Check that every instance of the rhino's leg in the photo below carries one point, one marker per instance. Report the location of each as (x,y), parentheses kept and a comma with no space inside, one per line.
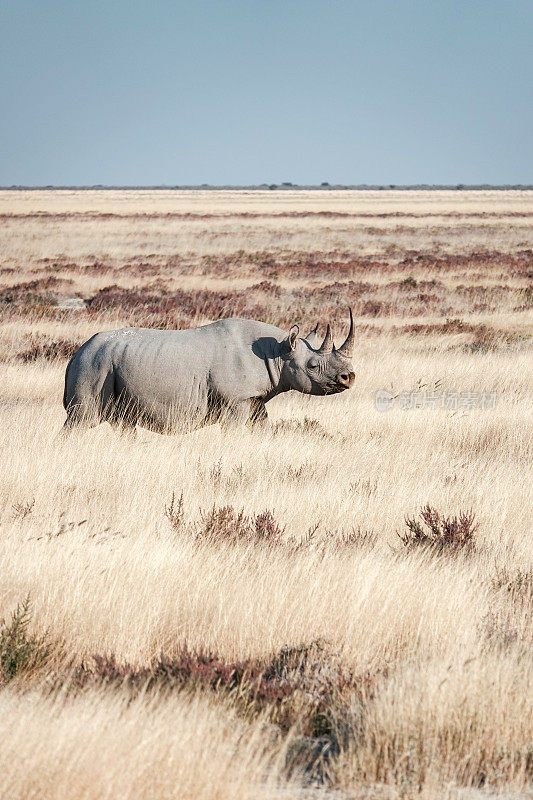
(234,414)
(81,415)
(250,412)
(122,414)
(123,426)
(258,413)
(77,417)
(82,412)
(87,402)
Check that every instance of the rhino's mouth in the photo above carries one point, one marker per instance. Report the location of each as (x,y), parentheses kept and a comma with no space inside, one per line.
(334,388)
(329,387)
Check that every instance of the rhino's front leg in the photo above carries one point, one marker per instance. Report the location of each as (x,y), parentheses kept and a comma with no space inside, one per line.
(234,414)
(251,412)
(258,413)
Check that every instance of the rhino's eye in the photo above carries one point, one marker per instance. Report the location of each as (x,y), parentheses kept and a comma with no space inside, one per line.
(312,363)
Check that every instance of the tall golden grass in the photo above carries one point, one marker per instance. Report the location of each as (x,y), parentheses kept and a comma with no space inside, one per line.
(439,644)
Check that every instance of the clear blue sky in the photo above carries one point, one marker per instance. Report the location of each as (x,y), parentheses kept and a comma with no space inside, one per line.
(253,91)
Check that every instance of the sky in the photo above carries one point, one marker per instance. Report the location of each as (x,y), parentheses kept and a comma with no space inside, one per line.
(144,92)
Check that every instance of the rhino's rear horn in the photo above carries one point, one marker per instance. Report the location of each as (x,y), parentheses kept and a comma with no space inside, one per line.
(327,344)
(347,348)
(312,333)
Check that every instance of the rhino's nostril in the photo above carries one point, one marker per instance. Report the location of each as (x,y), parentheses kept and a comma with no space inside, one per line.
(346,378)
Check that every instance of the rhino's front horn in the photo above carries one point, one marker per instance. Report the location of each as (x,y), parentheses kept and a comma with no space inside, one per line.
(327,344)
(347,348)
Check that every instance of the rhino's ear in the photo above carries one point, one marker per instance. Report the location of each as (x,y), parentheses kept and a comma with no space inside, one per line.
(293,336)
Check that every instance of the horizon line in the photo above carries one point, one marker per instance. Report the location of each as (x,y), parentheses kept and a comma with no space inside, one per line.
(284,186)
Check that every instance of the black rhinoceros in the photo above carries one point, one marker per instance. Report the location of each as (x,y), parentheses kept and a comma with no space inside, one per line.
(227,370)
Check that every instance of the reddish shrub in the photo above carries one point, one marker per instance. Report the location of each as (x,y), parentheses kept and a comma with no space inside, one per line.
(439,533)
(228,525)
(305,685)
(174,512)
(49,349)
(450,326)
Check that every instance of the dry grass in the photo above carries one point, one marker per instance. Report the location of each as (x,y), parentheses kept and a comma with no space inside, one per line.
(422,680)
(106,745)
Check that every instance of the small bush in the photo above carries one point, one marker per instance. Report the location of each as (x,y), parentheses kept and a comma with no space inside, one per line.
(439,533)
(174,512)
(266,529)
(519,585)
(20,652)
(228,525)
(23,510)
(356,539)
(30,294)
(333,541)
(225,524)
(309,540)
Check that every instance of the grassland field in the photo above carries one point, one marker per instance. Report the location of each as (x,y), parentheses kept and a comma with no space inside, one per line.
(339,606)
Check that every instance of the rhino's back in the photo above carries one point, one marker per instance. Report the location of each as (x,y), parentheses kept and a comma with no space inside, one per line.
(163,368)
(224,350)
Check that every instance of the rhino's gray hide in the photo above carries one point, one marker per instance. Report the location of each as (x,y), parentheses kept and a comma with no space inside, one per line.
(226,370)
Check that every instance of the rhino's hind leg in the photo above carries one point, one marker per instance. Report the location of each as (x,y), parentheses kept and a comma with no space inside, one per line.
(81,415)
(122,414)
(124,426)
(87,403)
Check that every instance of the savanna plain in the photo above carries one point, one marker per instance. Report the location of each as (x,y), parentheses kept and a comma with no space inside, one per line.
(336,606)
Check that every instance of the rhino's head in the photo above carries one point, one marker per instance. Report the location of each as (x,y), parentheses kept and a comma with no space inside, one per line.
(314,368)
